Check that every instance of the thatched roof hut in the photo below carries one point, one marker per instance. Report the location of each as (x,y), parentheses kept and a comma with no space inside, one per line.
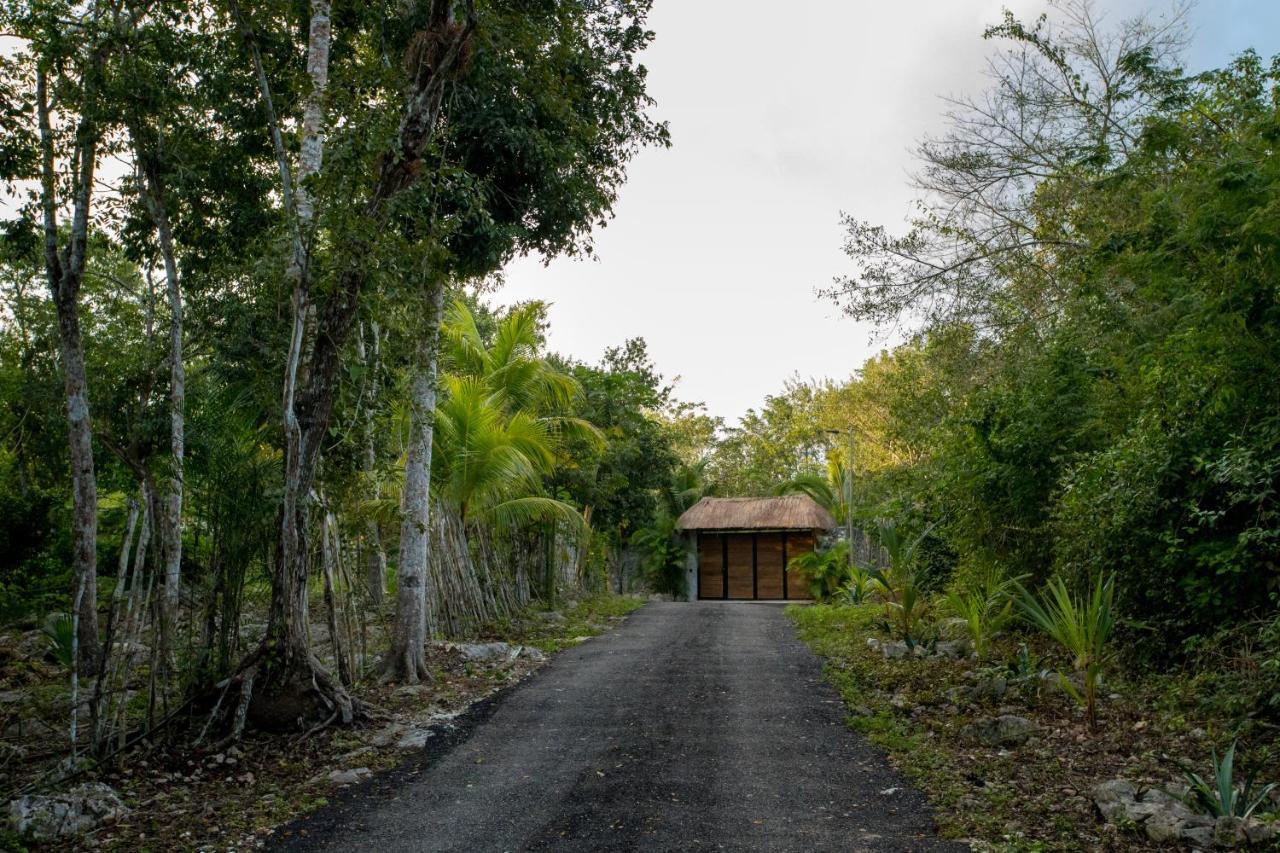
(789,512)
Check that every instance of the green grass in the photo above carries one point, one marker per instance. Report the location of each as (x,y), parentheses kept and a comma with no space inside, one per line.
(584,618)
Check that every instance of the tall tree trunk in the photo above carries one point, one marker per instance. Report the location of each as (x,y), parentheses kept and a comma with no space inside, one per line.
(152,191)
(375,555)
(295,684)
(65,271)
(406,659)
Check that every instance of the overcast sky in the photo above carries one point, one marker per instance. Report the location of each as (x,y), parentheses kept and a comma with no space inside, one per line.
(778,124)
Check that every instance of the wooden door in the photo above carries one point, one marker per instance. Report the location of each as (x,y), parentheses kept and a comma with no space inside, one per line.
(770,582)
(710,565)
(798,582)
(740,565)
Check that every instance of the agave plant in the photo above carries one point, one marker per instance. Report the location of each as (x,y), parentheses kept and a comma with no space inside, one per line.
(1223,798)
(1082,625)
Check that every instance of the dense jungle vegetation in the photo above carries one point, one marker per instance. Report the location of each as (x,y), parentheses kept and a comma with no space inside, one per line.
(1092,389)
(261,435)
(264,437)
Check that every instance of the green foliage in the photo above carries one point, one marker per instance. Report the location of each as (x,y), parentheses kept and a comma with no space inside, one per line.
(59,633)
(1223,797)
(907,602)
(1094,389)
(625,480)
(984,606)
(1082,625)
(828,571)
(665,551)
(501,426)
(857,589)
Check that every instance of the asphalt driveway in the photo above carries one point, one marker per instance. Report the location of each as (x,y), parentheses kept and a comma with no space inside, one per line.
(693,726)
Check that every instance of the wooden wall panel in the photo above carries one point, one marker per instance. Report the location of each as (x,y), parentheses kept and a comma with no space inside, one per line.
(769,579)
(797,582)
(740,571)
(710,566)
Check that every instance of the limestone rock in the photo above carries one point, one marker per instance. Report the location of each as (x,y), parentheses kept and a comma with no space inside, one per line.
(388,734)
(894,650)
(1228,831)
(954,649)
(501,653)
(1005,730)
(414,739)
(350,777)
(989,688)
(1258,832)
(1199,836)
(1169,801)
(1112,798)
(46,817)
(1164,827)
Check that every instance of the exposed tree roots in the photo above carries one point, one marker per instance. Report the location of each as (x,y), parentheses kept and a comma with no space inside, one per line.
(278,692)
(403,666)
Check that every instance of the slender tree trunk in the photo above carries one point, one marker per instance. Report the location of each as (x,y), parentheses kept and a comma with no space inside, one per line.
(406,659)
(65,271)
(375,555)
(151,190)
(171,529)
(295,684)
(329,546)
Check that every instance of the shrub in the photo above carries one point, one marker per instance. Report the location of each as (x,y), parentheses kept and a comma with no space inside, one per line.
(907,603)
(1082,626)
(828,571)
(984,606)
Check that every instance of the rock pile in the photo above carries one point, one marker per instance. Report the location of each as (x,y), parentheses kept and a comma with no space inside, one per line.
(896,649)
(1165,818)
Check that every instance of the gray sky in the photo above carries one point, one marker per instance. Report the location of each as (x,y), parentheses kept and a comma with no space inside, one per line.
(778,125)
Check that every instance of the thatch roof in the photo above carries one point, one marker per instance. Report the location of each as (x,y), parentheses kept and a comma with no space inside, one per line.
(790,512)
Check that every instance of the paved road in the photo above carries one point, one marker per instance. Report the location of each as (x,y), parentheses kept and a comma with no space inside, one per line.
(693,726)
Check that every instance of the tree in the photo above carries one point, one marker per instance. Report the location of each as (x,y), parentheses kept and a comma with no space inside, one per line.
(70,74)
(1067,101)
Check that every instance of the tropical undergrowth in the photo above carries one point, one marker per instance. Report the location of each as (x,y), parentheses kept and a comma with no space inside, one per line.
(1036,796)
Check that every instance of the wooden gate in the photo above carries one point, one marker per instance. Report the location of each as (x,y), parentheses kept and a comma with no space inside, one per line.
(751,566)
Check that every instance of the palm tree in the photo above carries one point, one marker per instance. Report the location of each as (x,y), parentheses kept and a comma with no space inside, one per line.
(661,542)
(828,492)
(489,465)
(499,426)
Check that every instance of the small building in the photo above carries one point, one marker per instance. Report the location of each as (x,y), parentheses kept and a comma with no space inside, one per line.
(739,547)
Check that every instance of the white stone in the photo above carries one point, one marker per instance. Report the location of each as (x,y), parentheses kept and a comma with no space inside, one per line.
(415,739)
(45,817)
(350,777)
